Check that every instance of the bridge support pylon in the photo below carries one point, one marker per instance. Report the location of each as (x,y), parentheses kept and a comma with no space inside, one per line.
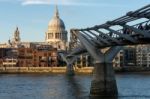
(69,61)
(70,70)
(103,82)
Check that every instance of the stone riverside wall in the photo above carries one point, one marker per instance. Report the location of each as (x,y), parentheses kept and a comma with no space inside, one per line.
(83,70)
(86,70)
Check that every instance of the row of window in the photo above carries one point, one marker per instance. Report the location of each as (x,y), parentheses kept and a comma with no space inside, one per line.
(57,35)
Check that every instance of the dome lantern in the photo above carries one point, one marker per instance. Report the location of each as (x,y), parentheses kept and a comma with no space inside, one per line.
(56,12)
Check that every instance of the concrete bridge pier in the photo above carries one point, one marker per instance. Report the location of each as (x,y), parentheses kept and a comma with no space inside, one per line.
(70,67)
(69,61)
(70,70)
(104,82)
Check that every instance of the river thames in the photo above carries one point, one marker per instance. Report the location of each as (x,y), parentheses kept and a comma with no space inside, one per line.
(44,86)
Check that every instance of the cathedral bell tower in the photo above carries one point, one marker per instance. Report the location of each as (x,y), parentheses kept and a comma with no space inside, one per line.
(16,38)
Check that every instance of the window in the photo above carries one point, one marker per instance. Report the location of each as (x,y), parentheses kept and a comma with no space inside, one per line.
(50,35)
(57,35)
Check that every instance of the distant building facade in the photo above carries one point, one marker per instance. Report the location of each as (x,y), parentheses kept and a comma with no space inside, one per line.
(143,55)
(126,57)
(138,55)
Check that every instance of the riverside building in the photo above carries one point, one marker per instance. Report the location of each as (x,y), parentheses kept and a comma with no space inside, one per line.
(41,56)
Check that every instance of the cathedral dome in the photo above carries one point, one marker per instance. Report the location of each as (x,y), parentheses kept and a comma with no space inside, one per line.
(56,23)
(56,34)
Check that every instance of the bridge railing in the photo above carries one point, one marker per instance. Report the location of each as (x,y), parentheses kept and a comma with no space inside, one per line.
(93,33)
(144,26)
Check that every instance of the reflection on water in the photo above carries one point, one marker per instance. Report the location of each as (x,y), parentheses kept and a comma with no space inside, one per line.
(103,98)
(130,86)
(77,91)
(74,88)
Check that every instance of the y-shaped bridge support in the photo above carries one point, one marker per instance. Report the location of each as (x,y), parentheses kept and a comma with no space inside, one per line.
(104,82)
(69,61)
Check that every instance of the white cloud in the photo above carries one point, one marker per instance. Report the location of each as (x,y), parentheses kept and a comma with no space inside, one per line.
(30,2)
(51,2)
(64,2)
(69,3)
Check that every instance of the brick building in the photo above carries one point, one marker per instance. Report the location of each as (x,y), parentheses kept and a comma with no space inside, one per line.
(41,56)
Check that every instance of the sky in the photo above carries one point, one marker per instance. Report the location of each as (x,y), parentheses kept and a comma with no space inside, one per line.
(32,16)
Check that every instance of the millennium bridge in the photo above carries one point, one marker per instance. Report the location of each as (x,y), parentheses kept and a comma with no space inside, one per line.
(134,29)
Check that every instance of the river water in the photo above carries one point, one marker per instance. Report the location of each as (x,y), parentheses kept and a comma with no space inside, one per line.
(27,86)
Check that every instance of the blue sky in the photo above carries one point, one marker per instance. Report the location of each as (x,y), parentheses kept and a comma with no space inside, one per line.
(32,16)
